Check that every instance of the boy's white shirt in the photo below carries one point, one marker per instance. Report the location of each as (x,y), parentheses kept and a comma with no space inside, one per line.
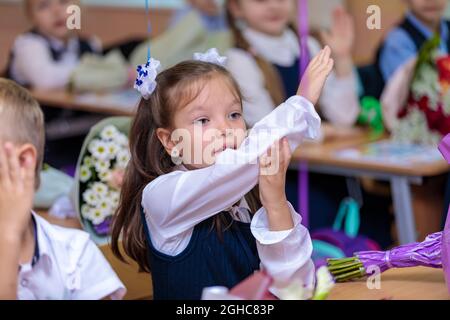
(175,203)
(339,101)
(70,267)
(32,63)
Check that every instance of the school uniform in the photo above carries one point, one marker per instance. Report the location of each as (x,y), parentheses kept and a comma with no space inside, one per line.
(186,254)
(42,62)
(338,103)
(66,265)
(405,41)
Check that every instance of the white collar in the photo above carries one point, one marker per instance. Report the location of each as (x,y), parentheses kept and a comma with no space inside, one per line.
(282,50)
(57,44)
(41,245)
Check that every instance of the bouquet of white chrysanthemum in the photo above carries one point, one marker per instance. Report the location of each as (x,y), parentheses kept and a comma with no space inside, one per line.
(100,169)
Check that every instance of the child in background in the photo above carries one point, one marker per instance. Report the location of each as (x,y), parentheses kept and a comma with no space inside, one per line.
(266,56)
(196,214)
(53,262)
(45,56)
(424,19)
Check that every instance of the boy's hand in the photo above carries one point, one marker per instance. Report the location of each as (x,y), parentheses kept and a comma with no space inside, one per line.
(16,189)
(272,180)
(315,75)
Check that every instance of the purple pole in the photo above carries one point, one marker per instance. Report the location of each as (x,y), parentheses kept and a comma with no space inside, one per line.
(303,31)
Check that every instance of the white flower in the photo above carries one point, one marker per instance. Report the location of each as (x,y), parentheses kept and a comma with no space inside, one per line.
(145,81)
(106,206)
(109,133)
(86,211)
(85,173)
(99,149)
(102,166)
(97,216)
(91,197)
(121,140)
(87,161)
(105,176)
(211,56)
(112,149)
(92,145)
(123,157)
(114,196)
(324,283)
(100,189)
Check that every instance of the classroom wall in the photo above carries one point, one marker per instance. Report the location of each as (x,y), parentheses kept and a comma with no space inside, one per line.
(110,24)
(113,24)
(368,41)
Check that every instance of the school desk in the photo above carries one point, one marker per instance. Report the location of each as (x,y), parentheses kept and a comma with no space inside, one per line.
(139,285)
(418,283)
(121,103)
(336,155)
(314,157)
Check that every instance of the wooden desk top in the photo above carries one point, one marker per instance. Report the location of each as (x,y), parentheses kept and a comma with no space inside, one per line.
(91,102)
(325,154)
(124,104)
(418,283)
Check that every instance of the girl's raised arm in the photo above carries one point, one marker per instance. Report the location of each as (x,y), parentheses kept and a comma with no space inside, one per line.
(176,202)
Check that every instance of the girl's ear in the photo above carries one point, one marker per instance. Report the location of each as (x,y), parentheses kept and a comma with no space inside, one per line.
(164,136)
(27,151)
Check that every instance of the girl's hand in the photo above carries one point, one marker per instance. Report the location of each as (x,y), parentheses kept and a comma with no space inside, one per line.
(341,35)
(341,39)
(16,189)
(315,75)
(272,181)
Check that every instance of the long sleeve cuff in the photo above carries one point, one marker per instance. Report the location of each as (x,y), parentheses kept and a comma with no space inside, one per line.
(260,227)
(286,255)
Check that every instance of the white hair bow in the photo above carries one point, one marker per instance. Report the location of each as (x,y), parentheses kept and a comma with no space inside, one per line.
(211,56)
(145,81)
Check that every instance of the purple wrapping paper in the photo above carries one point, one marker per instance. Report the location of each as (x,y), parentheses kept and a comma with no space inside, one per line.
(426,253)
(103,228)
(444,147)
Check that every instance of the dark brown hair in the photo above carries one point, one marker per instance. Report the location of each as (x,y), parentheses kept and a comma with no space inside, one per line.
(176,87)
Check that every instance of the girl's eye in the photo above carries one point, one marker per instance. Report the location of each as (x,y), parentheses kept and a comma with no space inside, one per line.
(235,115)
(201,121)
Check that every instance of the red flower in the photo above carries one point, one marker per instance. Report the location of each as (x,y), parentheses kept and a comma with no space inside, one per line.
(444,125)
(443,66)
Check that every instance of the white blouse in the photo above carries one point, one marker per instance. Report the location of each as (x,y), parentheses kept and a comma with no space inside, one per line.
(174,203)
(339,101)
(32,62)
